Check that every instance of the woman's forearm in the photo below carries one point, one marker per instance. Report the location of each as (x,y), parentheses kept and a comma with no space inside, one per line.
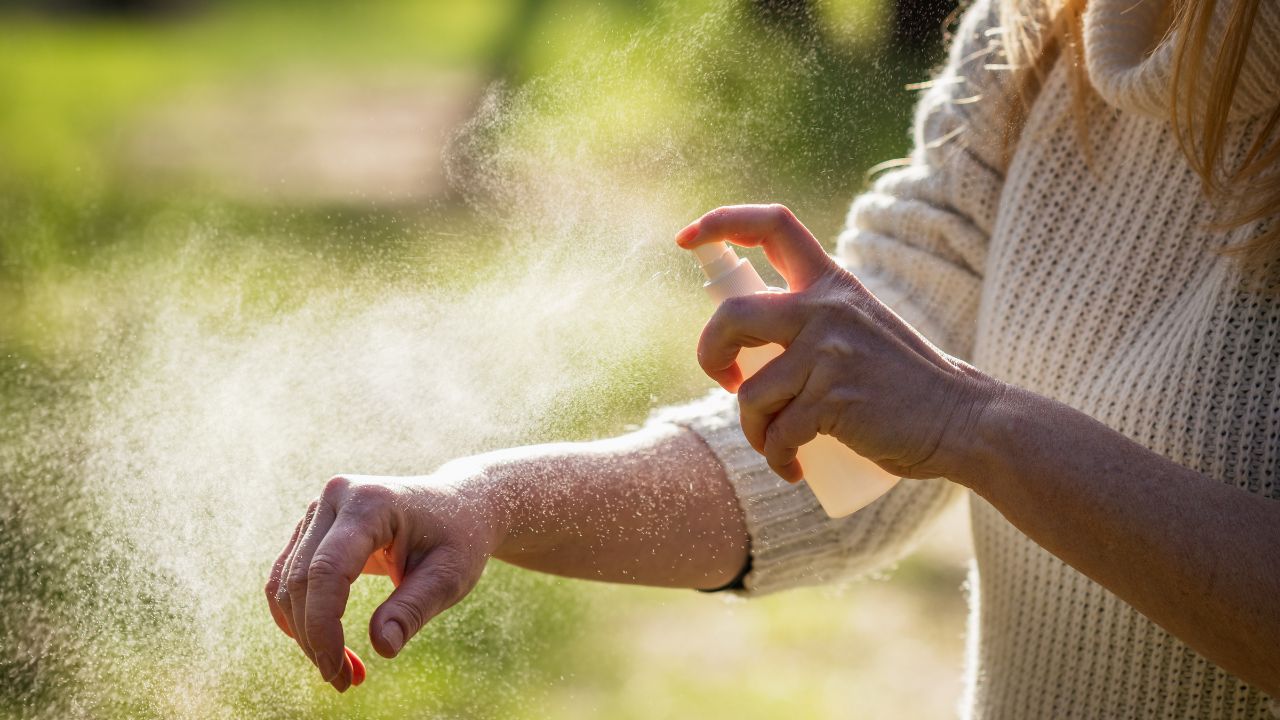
(652,507)
(1199,557)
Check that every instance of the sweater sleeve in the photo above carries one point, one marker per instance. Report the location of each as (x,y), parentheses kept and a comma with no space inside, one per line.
(918,241)
(918,238)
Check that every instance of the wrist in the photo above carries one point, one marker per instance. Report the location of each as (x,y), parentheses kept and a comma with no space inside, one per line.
(979,446)
(482,487)
(504,498)
(1004,431)
(517,492)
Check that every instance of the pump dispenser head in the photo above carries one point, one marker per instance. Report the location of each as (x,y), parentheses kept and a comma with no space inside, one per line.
(716,258)
(727,274)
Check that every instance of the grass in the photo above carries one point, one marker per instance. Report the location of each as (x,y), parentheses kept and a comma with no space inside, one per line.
(611,105)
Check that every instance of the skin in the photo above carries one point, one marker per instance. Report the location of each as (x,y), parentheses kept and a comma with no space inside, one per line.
(655,508)
(575,509)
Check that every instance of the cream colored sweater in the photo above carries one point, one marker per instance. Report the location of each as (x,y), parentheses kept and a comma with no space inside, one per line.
(1096,285)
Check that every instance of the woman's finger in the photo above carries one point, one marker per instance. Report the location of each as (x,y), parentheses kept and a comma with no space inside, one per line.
(765,394)
(283,601)
(336,564)
(741,322)
(283,596)
(788,244)
(275,578)
(791,429)
(299,574)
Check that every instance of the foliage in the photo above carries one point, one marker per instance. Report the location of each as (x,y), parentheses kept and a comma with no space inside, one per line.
(705,102)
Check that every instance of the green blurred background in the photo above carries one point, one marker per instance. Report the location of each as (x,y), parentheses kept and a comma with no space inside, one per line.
(220,161)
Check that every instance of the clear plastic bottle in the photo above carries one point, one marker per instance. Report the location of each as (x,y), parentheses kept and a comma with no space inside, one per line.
(842,480)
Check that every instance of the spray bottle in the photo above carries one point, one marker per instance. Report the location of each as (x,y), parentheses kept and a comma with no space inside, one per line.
(842,480)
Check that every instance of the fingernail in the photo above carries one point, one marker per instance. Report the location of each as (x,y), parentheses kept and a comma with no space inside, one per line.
(393,634)
(357,667)
(687,234)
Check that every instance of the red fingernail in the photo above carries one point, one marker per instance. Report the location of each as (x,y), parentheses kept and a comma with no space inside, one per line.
(687,234)
(358,672)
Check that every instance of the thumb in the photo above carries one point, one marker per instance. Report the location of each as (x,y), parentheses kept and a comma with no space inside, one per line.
(438,581)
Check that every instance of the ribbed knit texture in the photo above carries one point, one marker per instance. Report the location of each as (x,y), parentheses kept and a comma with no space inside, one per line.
(1094,284)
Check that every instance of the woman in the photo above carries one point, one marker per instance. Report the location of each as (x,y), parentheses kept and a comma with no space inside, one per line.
(1089,218)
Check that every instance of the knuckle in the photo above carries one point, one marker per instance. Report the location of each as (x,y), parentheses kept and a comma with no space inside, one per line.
(845,398)
(782,214)
(272,588)
(335,488)
(324,566)
(833,348)
(297,583)
(410,615)
(370,495)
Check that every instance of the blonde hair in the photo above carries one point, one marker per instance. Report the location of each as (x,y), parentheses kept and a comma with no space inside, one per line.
(1199,106)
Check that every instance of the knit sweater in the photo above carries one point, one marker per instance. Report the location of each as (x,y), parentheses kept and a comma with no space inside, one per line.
(1092,280)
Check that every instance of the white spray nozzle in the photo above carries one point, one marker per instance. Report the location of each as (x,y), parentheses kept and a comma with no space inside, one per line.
(727,275)
(716,258)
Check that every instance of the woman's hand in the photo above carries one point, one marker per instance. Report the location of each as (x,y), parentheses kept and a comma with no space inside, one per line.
(430,535)
(851,369)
